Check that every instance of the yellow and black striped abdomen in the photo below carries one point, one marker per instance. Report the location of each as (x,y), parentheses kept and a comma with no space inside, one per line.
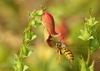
(67,53)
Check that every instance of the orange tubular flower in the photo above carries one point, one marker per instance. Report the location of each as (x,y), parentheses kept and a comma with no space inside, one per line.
(48,22)
(47,37)
(49,30)
(63,30)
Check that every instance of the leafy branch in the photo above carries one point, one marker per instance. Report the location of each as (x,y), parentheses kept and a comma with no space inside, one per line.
(90,34)
(24,51)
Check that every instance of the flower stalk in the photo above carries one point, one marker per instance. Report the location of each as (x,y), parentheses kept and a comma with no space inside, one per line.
(89,54)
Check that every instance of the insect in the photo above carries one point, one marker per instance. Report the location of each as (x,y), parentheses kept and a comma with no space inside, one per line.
(62,49)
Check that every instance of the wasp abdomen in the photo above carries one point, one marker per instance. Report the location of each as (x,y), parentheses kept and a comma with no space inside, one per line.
(67,53)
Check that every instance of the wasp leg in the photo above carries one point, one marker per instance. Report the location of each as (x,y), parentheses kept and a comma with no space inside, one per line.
(58,55)
(70,65)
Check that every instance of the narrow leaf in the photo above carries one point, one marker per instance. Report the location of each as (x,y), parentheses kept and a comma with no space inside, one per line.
(92,66)
(83,66)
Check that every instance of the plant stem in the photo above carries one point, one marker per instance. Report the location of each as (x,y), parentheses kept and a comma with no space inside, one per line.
(88,58)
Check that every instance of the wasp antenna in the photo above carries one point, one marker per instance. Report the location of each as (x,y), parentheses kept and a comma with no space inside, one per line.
(61,39)
(51,40)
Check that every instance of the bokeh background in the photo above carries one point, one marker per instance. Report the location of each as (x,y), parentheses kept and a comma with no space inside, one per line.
(14,18)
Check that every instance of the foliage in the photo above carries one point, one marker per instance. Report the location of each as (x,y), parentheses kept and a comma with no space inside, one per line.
(13,19)
(84,67)
(90,34)
(28,36)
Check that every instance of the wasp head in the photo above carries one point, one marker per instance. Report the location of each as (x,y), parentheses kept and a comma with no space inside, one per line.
(58,44)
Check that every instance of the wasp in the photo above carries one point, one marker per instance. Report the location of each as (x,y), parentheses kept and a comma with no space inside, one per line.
(62,49)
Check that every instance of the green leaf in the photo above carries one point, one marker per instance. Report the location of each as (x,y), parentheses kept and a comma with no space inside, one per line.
(32,23)
(30,52)
(29,36)
(92,66)
(18,66)
(95,43)
(95,22)
(25,67)
(91,21)
(15,57)
(91,38)
(81,37)
(85,35)
(33,14)
(33,37)
(82,65)
(26,51)
(40,12)
(25,30)
(35,22)
(38,23)
(82,32)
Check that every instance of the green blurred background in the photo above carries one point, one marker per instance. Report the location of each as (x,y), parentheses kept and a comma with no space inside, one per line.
(14,18)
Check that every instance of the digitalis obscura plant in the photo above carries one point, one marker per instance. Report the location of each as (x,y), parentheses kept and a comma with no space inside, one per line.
(34,21)
(91,35)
